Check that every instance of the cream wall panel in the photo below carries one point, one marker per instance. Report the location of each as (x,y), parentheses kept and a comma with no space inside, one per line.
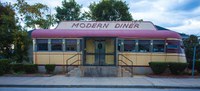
(90,59)
(90,46)
(56,59)
(109,46)
(109,59)
(42,59)
(158,57)
(143,59)
(172,57)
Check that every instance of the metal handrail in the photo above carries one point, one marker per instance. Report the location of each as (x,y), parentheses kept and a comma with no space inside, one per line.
(72,62)
(127,59)
(127,64)
(71,58)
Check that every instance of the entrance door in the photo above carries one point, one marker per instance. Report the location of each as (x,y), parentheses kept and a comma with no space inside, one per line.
(100,52)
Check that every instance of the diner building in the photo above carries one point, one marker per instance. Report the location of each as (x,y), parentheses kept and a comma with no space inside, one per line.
(105,48)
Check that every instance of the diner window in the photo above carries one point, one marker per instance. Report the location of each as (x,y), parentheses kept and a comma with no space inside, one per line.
(173,46)
(158,45)
(42,44)
(144,45)
(71,44)
(56,45)
(129,45)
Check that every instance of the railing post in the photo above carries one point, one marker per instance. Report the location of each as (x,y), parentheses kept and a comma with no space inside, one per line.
(132,71)
(122,74)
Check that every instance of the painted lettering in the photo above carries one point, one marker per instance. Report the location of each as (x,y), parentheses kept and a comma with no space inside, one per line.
(94,25)
(75,25)
(106,25)
(125,25)
(131,25)
(136,26)
(82,25)
(99,25)
(117,25)
(88,25)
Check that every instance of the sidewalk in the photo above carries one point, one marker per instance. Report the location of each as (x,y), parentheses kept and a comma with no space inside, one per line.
(109,82)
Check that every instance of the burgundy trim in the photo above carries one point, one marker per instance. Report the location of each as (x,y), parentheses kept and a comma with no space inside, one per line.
(67,33)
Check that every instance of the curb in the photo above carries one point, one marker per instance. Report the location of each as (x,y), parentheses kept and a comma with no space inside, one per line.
(100,86)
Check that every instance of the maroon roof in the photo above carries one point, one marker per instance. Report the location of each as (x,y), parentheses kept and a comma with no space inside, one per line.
(63,33)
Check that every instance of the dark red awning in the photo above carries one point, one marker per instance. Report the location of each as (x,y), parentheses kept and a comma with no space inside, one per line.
(63,33)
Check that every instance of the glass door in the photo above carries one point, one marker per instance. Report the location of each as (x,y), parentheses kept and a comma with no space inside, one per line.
(99,52)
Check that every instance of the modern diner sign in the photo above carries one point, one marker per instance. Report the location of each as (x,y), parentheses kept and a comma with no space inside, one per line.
(107,25)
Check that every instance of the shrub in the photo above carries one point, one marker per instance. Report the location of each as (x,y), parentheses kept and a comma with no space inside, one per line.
(50,68)
(18,67)
(158,67)
(31,68)
(4,66)
(197,66)
(177,68)
(1,70)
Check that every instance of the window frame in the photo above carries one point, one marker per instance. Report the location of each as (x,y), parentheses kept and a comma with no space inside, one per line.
(61,45)
(76,50)
(36,45)
(164,49)
(135,43)
(173,50)
(150,45)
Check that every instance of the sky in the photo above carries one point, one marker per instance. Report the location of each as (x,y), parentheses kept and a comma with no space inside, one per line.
(182,16)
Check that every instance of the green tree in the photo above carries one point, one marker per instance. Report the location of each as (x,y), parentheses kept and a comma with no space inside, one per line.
(7,29)
(70,10)
(189,47)
(22,43)
(108,10)
(32,15)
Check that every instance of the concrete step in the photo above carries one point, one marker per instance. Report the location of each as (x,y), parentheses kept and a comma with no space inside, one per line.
(99,71)
(76,72)
(124,72)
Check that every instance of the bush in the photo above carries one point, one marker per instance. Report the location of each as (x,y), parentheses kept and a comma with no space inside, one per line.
(50,68)
(177,68)
(31,68)
(1,70)
(158,67)
(197,66)
(18,67)
(4,66)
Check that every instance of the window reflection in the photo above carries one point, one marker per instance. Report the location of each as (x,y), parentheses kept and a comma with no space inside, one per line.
(129,46)
(56,45)
(71,44)
(144,45)
(42,44)
(158,45)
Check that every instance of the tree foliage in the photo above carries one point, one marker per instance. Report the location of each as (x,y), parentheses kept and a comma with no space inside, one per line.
(7,29)
(70,10)
(14,40)
(33,15)
(189,47)
(22,43)
(109,10)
